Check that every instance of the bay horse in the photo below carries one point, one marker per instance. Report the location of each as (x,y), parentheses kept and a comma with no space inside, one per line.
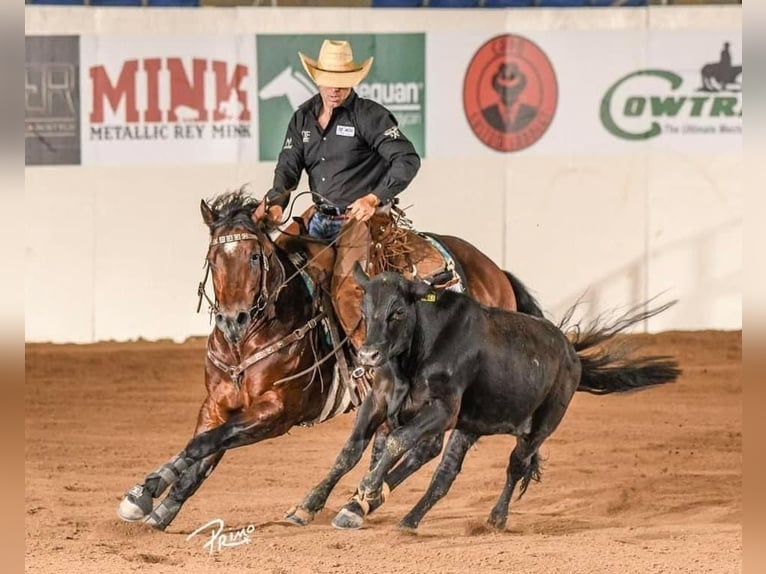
(267,365)
(444,361)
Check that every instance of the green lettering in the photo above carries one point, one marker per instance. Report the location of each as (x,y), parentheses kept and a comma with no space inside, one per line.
(669,106)
(634,106)
(724,106)
(606,103)
(697,104)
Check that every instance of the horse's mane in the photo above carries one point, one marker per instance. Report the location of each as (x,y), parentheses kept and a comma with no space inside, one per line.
(235,208)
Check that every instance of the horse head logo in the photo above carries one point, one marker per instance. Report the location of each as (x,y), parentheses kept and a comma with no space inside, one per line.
(721,76)
(293,85)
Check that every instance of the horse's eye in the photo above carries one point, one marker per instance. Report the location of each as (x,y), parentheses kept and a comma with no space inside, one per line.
(255,258)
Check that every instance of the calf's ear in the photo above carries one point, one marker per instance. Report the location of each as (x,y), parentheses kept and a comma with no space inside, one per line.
(419,289)
(360,276)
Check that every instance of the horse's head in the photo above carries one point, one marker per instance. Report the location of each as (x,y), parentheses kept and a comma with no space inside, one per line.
(242,259)
(390,316)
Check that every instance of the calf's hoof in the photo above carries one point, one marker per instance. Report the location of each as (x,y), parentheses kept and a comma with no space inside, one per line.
(497,522)
(299,516)
(136,504)
(408,524)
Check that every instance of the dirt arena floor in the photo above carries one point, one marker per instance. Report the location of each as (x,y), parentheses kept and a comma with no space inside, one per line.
(648,482)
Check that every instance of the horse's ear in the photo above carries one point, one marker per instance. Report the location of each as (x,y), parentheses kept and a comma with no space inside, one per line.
(208,215)
(360,276)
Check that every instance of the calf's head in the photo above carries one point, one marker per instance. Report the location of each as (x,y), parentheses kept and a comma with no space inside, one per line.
(388,307)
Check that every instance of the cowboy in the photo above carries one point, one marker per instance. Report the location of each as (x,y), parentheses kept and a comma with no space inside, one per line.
(357,160)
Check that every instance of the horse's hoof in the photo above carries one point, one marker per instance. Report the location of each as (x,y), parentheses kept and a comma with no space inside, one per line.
(153,521)
(299,516)
(136,504)
(348,520)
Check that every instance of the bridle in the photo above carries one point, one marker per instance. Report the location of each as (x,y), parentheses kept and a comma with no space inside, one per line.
(264,300)
(264,297)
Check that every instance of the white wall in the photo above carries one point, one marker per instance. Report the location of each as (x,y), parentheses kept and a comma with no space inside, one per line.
(116,252)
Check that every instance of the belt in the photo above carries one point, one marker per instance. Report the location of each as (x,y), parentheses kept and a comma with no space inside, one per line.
(332,217)
(331,210)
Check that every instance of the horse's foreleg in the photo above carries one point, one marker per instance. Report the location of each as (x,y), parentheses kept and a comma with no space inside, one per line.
(448,469)
(164,513)
(137,502)
(263,419)
(369,417)
(354,511)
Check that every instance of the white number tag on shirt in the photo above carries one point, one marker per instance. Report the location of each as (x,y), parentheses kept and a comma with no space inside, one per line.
(347,131)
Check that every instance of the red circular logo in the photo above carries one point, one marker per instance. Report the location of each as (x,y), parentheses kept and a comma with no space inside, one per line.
(509,93)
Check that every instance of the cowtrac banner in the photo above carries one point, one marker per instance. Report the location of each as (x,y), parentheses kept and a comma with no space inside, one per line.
(396,80)
(168,100)
(596,91)
(52,100)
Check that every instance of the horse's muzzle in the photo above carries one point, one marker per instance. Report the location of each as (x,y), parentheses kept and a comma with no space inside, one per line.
(233,325)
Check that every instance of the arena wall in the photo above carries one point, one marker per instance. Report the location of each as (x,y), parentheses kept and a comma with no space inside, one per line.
(115,242)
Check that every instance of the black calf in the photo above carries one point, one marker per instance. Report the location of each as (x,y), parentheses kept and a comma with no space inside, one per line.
(444,361)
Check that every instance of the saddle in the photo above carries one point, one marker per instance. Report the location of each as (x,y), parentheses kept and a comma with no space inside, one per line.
(387,242)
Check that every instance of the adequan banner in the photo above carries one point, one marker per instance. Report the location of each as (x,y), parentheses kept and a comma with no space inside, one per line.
(396,80)
(168,100)
(52,100)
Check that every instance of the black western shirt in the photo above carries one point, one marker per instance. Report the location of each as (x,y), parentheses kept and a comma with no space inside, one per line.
(361,151)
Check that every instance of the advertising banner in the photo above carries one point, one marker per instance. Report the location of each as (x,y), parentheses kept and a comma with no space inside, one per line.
(573,92)
(168,100)
(396,80)
(52,100)
(688,95)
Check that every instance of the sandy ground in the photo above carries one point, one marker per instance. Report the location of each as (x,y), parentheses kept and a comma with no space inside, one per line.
(648,482)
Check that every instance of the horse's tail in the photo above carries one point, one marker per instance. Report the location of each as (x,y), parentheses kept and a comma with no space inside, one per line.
(525,302)
(612,370)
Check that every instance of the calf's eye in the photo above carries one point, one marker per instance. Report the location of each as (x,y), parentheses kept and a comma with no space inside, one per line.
(397,315)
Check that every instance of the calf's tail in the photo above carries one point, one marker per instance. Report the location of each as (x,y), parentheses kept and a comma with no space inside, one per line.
(613,368)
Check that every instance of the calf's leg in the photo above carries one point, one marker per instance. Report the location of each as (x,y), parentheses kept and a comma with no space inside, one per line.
(371,414)
(449,467)
(434,419)
(524,463)
(352,514)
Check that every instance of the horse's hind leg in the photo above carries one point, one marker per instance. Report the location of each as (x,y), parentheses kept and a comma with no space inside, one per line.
(449,467)
(354,511)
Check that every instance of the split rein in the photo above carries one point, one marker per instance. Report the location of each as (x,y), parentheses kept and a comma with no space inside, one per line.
(235,372)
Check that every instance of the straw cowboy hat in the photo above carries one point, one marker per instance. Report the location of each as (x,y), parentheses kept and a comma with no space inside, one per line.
(335,67)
